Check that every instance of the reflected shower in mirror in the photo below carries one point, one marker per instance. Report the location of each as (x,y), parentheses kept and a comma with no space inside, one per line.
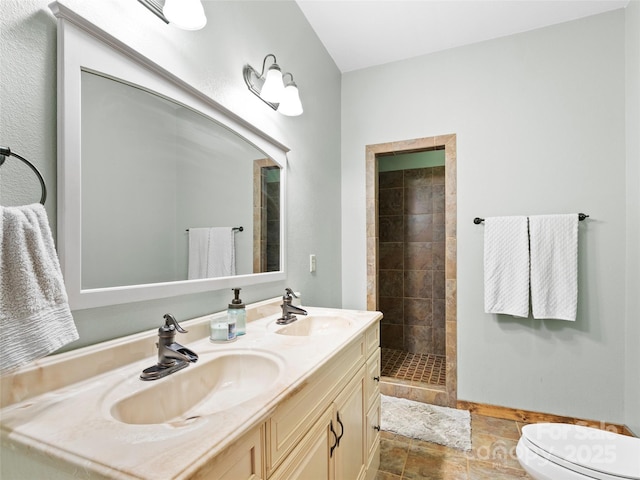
(152,169)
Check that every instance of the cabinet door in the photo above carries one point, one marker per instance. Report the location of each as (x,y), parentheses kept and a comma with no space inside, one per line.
(373,435)
(243,460)
(293,418)
(311,459)
(350,456)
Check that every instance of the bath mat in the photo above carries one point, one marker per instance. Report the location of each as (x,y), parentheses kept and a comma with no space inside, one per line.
(431,423)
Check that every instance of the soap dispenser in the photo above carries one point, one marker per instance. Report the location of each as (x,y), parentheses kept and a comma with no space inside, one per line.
(237,313)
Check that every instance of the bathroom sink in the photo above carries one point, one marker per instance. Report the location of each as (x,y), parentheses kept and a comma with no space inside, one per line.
(315,325)
(205,388)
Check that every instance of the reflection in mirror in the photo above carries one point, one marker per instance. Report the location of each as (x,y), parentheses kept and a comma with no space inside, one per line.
(142,157)
(155,173)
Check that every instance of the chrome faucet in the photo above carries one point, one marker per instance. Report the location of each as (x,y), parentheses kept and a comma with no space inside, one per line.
(288,309)
(171,355)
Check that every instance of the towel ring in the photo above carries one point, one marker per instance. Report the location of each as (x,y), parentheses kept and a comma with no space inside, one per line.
(6,152)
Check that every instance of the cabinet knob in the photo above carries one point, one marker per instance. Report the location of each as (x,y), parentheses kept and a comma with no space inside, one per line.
(376,428)
(377,379)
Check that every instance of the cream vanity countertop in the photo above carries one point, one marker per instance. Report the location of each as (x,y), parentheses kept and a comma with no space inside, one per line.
(74,423)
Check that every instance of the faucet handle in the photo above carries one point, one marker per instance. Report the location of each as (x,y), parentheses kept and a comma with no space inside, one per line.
(288,294)
(170,322)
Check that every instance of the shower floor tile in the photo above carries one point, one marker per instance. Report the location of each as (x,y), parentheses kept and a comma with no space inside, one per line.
(415,367)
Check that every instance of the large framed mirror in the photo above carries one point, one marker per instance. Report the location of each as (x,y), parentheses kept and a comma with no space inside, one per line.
(162,191)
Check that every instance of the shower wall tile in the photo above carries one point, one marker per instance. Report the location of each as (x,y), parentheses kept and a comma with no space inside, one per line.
(439,341)
(418,200)
(439,315)
(418,311)
(439,287)
(437,176)
(439,230)
(411,259)
(417,256)
(391,228)
(391,256)
(392,336)
(391,283)
(438,199)
(416,338)
(390,201)
(417,177)
(393,309)
(418,284)
(418,228)
(438,251)
(390,179)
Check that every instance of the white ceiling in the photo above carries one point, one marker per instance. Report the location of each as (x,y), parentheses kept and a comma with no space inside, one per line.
(362,33)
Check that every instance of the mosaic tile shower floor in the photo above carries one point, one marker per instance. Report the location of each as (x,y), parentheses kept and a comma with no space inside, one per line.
(415,367)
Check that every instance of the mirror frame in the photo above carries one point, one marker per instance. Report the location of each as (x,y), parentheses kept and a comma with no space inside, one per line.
(84,46)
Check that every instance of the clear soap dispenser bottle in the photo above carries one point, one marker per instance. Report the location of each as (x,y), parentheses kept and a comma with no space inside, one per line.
(237,313)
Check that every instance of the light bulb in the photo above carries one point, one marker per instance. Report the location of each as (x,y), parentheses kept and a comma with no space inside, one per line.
(185,14)
(273,86)
(290,104)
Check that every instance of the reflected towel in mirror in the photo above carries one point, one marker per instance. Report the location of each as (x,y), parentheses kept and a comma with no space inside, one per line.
(212,252)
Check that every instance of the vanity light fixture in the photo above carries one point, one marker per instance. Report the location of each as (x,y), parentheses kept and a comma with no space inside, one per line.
(185,14)
(270,87)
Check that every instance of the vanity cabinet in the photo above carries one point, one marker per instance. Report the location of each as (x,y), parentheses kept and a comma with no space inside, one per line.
(322,430)
(74,413)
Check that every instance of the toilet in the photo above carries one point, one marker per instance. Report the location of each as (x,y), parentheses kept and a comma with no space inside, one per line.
(558,451)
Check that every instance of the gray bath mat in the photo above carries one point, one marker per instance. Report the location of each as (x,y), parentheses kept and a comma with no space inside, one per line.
(431,423)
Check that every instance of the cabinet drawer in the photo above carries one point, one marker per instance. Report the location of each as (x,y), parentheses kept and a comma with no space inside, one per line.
(372,338)
(294,416)
(373,428)
(242,460)
(372,386)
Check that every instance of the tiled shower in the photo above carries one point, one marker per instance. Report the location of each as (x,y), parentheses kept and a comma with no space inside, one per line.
(411,269)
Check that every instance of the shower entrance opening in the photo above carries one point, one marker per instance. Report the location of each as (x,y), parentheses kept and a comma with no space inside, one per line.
(411,254)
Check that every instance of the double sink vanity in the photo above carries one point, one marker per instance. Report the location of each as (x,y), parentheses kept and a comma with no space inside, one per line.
(282,402)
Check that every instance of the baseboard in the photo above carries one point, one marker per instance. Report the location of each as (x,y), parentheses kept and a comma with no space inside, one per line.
(526,416)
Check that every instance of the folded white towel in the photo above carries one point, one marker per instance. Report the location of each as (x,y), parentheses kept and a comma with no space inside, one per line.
(35,319)
(222,252)
(198,252)
(211,252)
(506,266)
(554,266)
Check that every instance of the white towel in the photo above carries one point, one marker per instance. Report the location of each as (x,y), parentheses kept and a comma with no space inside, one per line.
(211,252)
(198,252)
(506,266)
(35,319)
(554,266)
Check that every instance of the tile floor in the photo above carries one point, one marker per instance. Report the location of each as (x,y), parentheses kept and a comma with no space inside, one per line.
(492,456)
(424,368)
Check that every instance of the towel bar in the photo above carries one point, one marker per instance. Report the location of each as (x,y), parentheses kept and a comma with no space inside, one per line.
(581,217)
(235,229)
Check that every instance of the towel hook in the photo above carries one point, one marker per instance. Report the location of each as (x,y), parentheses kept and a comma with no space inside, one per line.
(6,152)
